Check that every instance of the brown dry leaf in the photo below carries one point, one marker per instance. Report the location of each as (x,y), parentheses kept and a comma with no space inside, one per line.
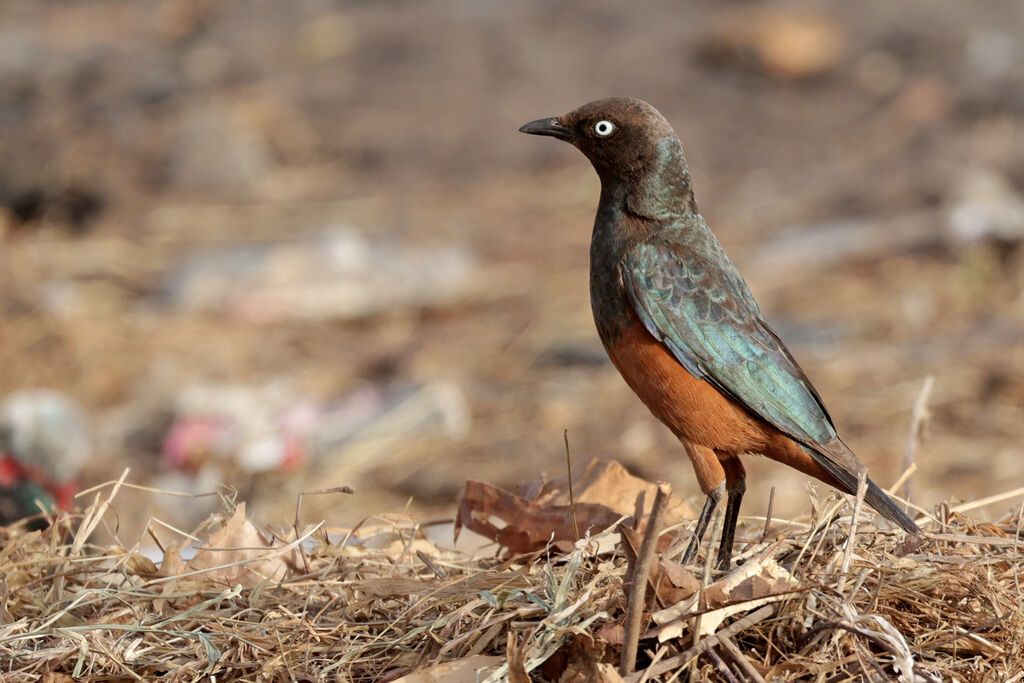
(389,540)
(758,582)
(521,525)
(584,664)
(141,565)
(172,564)
(53,677)
(766,577)
(611,633)
(673,581)
(466,670)
(238,553)
(516,651)
(604,493)
(608,483)
(607,673)
(582,660)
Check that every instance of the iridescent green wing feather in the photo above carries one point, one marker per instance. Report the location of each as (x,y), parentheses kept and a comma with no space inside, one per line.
(692,299)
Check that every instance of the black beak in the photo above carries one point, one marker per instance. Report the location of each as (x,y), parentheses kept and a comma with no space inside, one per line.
(551,126)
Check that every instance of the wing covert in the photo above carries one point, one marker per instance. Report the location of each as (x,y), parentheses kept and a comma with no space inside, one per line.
(700,308)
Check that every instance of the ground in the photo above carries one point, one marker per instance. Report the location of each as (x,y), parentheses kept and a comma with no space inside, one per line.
(138,134)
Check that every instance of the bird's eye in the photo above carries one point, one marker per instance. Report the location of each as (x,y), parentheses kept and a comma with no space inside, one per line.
(604,128)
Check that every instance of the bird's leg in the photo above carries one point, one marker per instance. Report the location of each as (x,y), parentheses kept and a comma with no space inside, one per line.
(710,503)
(732,514)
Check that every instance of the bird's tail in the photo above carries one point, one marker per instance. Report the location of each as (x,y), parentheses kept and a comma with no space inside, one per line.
(886,506)
(846,481)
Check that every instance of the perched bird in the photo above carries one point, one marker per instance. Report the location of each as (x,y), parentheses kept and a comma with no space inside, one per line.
(44,442)
(683,329)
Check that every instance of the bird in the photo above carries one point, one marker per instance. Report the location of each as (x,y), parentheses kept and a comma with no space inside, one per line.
(682,327)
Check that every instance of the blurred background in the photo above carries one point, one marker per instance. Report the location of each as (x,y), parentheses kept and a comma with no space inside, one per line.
(286,246)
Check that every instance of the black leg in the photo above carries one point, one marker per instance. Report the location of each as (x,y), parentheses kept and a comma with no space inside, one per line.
(732,514)
(710,503)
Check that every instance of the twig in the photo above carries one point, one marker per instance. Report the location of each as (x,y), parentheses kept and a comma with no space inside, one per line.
(768,515)
(148,489)
(638,509)
(874,637)
(431,565)
(705,581)
(638,579)
(405,551)
(740,659)
(907,473)
(862,488)
(729,631)
(967,633)
(298,515)
(719,663)
(572,496)
(918,416)
(998,498)
(94,514)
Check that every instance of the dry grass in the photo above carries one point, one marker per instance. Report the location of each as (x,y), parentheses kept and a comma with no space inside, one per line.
(383,602)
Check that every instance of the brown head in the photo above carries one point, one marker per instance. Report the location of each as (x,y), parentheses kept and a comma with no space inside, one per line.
(632,148)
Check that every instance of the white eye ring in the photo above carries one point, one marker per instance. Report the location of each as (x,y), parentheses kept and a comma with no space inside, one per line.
(604,128)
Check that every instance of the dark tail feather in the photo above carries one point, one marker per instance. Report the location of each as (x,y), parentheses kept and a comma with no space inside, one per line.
(886,506)
(874,496)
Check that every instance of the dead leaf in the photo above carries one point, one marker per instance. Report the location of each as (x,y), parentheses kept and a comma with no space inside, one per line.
(172,564)
(466,670)
(53,677)
(766,577)
(611,633)
(141,565)
(239,553)
(908,545)
(521,525)
(604,494)
(607,673)
(582,660)
(608,483)
(586,663)
(671,580)
(758,582)
(516,652)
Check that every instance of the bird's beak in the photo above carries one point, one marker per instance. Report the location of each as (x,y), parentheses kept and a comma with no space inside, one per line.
(550,126)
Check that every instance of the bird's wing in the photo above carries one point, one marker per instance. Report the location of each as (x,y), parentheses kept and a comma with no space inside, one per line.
(693,300)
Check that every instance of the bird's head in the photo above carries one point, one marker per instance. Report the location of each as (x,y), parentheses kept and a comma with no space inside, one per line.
(627,140)
(617,134)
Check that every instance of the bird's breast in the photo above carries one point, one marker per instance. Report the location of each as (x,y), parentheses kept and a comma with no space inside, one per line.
(609,302)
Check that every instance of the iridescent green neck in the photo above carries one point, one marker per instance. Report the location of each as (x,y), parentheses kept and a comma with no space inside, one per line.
(663,190)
